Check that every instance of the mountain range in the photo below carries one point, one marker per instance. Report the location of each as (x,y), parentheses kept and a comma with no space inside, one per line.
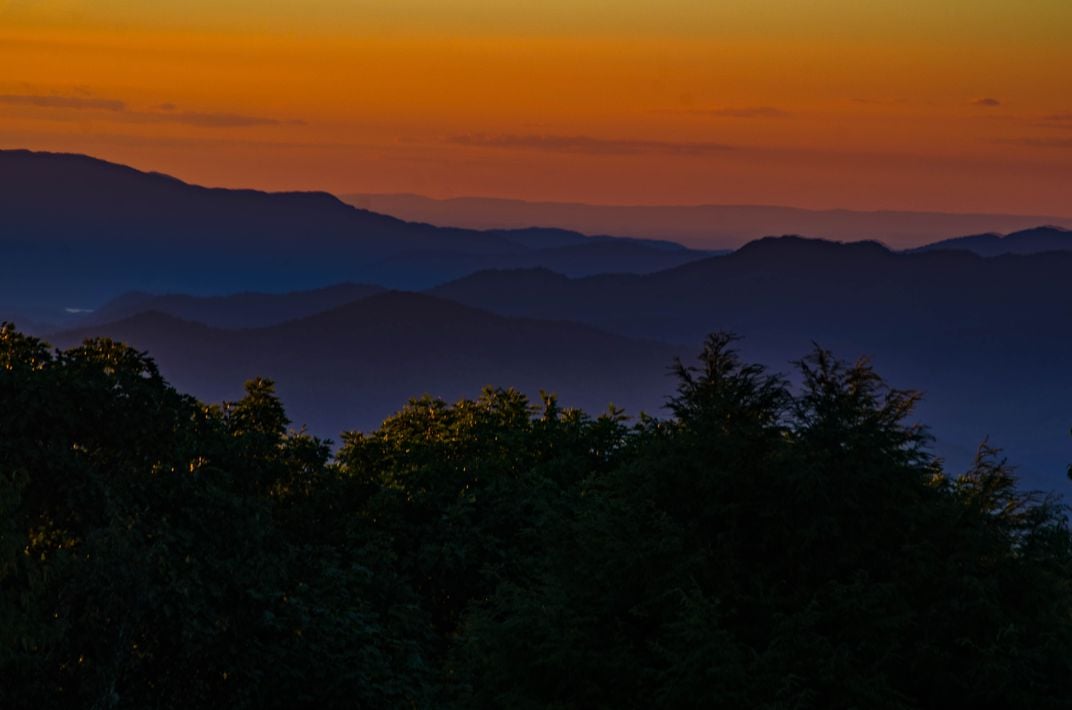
(988,340)
(986,336)
(75,231)
(701,226)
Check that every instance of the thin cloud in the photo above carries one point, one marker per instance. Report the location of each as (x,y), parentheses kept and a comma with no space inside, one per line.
(162,113)
(746,112)
(986,102)
(730,112)
(66,102)
(880,102)
(1061,121)
(217,120)
(588,145)
(1063,143)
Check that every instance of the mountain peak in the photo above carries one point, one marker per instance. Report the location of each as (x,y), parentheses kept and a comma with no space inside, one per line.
(1048,230)
(798,247)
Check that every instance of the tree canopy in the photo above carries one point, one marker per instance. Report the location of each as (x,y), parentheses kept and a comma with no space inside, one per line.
(766,545)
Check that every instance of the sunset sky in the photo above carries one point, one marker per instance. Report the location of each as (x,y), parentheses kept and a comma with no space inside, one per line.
(957,105)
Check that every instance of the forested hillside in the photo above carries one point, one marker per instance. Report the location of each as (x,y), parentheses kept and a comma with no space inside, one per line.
(763,546)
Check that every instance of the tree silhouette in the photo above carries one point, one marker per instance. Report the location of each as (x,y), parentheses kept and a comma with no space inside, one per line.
(766,546)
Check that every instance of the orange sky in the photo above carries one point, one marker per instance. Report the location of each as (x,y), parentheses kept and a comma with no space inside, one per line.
(829,103)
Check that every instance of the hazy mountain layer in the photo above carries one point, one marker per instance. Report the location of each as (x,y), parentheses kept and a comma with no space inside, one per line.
(349,367)
(700,226)
(76,232)
(1028,241)
(989,340)
(243,310)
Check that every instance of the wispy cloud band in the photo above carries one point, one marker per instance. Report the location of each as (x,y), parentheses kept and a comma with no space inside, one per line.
(758,112)
(587,145)
(1064,143)
(165,113)
(67,102)
(745,112)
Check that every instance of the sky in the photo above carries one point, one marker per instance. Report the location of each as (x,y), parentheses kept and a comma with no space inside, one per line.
(951,105)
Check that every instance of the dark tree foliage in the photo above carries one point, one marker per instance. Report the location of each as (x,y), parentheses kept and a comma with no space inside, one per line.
(766,546)
(159,553)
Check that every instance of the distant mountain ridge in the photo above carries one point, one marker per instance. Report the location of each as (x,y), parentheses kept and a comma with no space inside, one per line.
(242,310)
(76,231)
(1028,241)
(706,226)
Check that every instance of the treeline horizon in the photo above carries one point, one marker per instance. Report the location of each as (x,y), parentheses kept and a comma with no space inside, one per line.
(762,546)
